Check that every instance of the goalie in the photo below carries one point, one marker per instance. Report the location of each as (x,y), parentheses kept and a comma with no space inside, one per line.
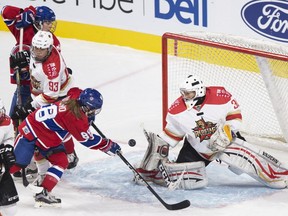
(208,120)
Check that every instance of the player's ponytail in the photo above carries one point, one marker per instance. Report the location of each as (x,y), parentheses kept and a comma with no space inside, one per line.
(73,106)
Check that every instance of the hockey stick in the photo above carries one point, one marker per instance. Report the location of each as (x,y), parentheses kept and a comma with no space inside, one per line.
(33,188)
(176,206)
(18,81)
(26,184)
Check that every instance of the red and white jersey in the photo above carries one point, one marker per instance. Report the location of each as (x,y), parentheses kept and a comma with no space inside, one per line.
(10,16)
(55,123)
(49,79)
(200,122)
(6,131)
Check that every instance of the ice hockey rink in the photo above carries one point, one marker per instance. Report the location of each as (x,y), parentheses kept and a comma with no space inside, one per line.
(130,82)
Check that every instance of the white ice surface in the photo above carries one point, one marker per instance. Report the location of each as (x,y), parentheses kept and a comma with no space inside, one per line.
(130,81)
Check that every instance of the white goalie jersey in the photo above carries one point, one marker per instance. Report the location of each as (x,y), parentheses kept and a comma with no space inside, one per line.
(200,122)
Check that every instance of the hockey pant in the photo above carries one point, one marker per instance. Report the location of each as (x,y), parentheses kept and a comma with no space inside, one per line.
(243,157)
(24,150)
(43,164)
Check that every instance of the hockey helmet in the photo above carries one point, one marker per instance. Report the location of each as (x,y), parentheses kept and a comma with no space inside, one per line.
(44,14)
(42,40)
(91,101)
(192,89)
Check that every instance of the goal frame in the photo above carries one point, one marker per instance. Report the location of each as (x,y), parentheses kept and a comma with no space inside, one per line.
(190,39)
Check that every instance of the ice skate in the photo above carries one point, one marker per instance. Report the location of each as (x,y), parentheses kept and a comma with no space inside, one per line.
(44,199)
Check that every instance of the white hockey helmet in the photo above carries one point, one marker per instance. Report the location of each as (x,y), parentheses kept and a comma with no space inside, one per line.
(42,40)
(192,89)
(2,110)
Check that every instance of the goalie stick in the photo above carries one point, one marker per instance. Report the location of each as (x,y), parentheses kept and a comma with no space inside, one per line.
(176,206)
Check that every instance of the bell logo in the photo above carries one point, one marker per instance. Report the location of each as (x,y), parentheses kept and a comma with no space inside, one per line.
(186,11)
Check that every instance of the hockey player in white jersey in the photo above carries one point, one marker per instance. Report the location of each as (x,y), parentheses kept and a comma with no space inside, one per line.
(207,120)
(50,82)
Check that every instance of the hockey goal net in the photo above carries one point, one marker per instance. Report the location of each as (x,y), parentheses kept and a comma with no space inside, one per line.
(255,72)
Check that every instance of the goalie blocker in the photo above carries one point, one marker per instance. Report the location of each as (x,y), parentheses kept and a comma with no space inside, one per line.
(240,156)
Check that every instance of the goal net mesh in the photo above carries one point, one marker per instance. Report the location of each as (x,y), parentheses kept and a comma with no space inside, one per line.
(255,72)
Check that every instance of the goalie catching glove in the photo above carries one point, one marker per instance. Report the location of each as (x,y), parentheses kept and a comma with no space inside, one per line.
(222,138)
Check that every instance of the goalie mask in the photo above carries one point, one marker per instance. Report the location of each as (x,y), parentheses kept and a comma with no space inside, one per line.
(91,102)
(192,91)
(42,44)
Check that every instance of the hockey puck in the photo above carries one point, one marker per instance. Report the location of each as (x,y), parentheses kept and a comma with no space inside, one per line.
(131,142)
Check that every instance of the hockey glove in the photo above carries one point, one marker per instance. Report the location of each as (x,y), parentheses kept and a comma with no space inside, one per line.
(20,59)
(21,112)
(25,19)
(222,138)
(91,119)
(7,155)
(111,148)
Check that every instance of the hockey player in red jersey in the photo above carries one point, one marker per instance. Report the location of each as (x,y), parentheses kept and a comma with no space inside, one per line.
(50,81)
(207,120)
(47,128)
(8,193)
(31,19)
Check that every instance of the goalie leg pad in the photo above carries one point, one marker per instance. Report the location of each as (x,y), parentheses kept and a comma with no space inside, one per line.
(187,176)
(157,150)
(149,176)
(258,164)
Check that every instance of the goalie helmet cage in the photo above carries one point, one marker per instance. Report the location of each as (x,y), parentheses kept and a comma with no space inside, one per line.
(254,72)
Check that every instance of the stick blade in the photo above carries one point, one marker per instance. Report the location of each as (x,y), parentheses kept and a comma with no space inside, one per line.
(178,206)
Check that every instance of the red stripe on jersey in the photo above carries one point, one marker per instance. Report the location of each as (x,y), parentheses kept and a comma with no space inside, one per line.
(172,135)
(49,99)
(234,116)
(66,81)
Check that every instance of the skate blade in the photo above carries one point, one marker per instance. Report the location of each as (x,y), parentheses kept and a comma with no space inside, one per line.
(43,204)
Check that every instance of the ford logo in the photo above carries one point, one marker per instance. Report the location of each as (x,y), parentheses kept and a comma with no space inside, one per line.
(267,18)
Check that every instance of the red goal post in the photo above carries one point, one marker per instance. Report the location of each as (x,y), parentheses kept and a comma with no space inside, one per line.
(255,72)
